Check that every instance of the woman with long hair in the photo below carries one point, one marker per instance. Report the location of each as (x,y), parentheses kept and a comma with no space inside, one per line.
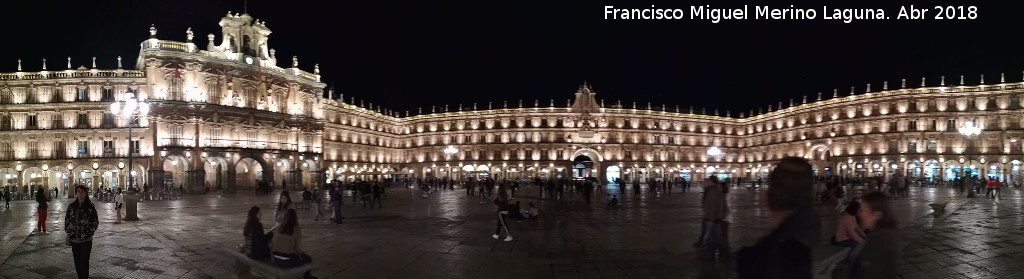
(284,203)
(876,257)
(848,232)
(287,248)
(256,245)
(41,198)
(80,222)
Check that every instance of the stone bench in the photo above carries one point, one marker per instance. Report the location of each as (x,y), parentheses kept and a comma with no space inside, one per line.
(244,266)
(939,207)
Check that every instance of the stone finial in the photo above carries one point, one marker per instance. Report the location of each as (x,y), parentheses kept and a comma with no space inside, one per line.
(273,53)
(942,80)
(728,113)
(407,113)
(691,109)
(922,81)
(316,69)
(982,79)
(505,104)
(189,35)
(445,108)
(819,96)
(885,85)
(520,103)
(118,62)
(868,90)
(433,109)
(805,100)
(552,102)
(741,115)
(634,104)
(903,83)
(474,106)
(152,31)
(536,102)
(1002,77)
(759,111)
(716,112)
(602,103)
(460,106)
(648,105)
(662,107)
(835,93)
(780,105)
(210,38)
(420,111)
(94,62)
(851,91)
(677,108)
(69,62)
(295,61)
(19,65)
(489,104)
(961,80)
(44,63)
(568,103)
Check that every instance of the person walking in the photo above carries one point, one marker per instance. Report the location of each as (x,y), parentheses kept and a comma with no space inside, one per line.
(118,204)
(876,257)
(7,198)
(786,251)
(41,198)
(377,192)
(502,202)
(80,222)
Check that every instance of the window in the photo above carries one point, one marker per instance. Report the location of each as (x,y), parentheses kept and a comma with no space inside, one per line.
(30,96)
(83,120)
(80,97)
(529,137)
(83,147)
(56,122)
(134,147)
(174,132)
(497,155)
(5,123)
(467,155)
(529,154)
(1014,103)
(56,96)
(911,125)
(216,133)
(108,120)
(515,154)
(544,154)
(1015,146)
(108,95)
(893,146)
(174,89)
(671,140)
(108,148)
(251,136)
(657,140)
(911,146)
(951,125)
(931,146)
(482,155)
(33,150)
(627,154)
(59,151)
(559,154)
(32,122)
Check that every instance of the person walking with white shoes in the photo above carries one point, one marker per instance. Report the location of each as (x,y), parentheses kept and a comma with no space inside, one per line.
(502,202)
(118,204)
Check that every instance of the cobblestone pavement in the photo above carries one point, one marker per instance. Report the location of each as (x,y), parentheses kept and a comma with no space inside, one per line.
(448,235)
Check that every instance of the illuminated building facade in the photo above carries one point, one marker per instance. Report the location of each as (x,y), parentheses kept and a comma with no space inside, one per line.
(228,115)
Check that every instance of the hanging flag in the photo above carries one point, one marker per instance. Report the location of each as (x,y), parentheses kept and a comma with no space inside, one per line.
(177,74)
(317,94)
(288,92)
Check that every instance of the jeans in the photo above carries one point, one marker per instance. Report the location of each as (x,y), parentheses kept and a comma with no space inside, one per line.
(703,232)
(713,241)
(337,211)
(81,252)
(316,211)
(294,260)
(501,224)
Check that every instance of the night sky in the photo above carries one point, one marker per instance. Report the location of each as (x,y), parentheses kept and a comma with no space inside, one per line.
(423,53)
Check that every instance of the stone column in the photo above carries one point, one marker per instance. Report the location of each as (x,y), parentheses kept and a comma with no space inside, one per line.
(195,181)
(70,191)
(155,179)
(95,181)
(229,180)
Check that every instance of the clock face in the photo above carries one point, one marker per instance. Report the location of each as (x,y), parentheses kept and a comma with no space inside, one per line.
(248,60)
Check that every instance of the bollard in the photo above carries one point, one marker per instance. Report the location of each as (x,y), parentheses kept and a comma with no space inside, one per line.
(131,207)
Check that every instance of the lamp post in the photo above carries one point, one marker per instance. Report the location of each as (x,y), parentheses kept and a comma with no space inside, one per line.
(131,108)
(970,131)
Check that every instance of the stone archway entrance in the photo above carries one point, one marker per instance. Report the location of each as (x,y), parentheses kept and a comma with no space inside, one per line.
(821,159)
(582,167)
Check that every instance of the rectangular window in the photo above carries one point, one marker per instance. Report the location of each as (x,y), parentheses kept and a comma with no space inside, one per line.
(1015,146)
(32,123)
(80,97)
(108,148)
(250,137)
(627,155)
(56,122)
(932,146)
(529,154)
(911,125)
(83,147)
(135,147)
(544,154)
(893,126)
(671,140)
(911,146)
(108,95)
(33,150)
(893,146)
(497,155)
(59,151)
(482,155)
(216,135)
(657,140)
(951,125)
(108,120)
(83,121)
(56,96)
(529,137)
(559,153)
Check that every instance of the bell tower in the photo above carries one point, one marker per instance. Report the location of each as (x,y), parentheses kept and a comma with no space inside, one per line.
(244,39)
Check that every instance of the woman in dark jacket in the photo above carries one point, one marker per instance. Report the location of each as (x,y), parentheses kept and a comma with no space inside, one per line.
(80,222)
(502,202)
(257,244)
(41,199)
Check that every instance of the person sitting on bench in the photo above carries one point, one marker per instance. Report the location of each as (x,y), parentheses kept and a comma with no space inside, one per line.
(256,244)
(286,249)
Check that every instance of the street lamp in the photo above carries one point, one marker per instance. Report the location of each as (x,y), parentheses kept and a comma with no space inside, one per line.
(131,108)
(970,131)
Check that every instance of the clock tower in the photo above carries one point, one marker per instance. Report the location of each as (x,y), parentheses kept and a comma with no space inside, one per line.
(243,39)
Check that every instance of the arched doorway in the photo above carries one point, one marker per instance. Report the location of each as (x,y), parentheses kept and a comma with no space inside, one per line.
(612,173)
(821,159)
(582,167)
(215,167)
(175,167)
(247,172)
